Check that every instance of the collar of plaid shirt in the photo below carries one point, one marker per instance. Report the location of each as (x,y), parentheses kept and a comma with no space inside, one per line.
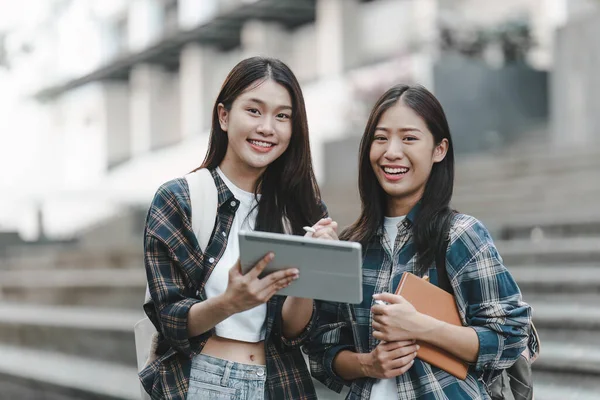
(487,297)
(177,273)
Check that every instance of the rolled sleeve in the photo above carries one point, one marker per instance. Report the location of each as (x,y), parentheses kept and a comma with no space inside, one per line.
(174,323)
(333,334)
(500,345)
(491,301)
(333,381)
(304,336)
(167,289)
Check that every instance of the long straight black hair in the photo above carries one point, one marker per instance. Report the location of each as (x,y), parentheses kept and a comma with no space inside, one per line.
(288,186)
(432,222)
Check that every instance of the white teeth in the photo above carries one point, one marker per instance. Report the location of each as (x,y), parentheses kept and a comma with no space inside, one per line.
(395,170)
(261,144)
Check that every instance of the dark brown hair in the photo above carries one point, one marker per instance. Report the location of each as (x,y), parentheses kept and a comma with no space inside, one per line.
(288,186)
(434,215)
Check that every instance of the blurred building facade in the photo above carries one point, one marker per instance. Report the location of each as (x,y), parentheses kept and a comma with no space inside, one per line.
(127,86)
(117,96)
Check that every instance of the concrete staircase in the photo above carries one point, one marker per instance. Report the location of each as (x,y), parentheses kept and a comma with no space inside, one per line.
(531,185)
(66,321)
(565,296)
(541,206)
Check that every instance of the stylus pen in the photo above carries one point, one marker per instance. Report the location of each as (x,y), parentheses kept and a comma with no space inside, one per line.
(309,229)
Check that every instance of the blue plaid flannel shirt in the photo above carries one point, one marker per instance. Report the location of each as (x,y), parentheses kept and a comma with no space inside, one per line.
(486,294)
(177,271)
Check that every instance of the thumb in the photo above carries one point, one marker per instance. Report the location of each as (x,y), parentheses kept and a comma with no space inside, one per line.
(390,298)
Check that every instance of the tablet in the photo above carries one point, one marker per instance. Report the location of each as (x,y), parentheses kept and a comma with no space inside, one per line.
(330,270)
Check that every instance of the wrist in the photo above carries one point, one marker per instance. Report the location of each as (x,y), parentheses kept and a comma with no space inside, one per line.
(430,327)
(226,305)
(364,362)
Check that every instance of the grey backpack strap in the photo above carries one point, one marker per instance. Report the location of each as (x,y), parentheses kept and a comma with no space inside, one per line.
(440,265)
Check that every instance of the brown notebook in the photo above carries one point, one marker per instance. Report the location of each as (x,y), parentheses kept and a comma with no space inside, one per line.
(435,302)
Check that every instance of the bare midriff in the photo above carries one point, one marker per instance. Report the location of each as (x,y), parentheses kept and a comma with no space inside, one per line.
(235,350)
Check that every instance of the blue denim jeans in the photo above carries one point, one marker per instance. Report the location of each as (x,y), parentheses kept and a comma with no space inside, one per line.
(215,379)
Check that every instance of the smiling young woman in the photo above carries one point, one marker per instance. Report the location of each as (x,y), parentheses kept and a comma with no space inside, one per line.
(224,334)
(406,178)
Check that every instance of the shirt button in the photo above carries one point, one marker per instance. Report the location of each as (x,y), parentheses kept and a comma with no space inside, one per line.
(233,204)
(211,260)
(223,233)
(260,372)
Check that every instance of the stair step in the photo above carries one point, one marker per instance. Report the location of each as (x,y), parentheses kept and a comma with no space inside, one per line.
(494,211)
(568,334)
(96,287)
(574,278)
(509,164)
(565,386)
(567,323)
(550,251)
(588,226)
(581,299)
(101,334)
(73,278)
(49,257)
(90,377)
(566,316)
(511,205)
(546,182)
(568,357)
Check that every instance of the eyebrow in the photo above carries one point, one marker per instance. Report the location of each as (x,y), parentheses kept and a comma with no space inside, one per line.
(407,129)
(262,103)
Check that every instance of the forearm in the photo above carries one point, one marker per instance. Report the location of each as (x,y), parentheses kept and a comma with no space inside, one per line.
(349,365)
(459,341)
(203,316)
(296,314)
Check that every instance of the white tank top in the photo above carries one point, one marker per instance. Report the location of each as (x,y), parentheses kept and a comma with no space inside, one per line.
(249,325)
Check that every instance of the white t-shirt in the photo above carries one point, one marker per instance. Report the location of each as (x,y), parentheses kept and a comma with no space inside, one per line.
(385,389)
(391,227)
(249,325)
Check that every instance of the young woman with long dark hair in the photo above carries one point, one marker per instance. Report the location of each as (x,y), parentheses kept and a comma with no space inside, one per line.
(406,178)
(223,334)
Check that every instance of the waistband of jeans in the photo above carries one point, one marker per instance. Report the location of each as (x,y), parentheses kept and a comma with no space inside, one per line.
(228,368)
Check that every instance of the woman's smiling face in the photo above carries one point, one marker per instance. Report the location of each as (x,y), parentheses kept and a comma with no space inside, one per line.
(258,126)
(403,152)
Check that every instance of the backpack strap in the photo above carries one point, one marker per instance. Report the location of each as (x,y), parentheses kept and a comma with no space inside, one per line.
(204,200)
(440,266)
(440,257)
(205,197)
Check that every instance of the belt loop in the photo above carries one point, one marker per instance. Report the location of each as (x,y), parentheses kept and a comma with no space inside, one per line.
(225,377)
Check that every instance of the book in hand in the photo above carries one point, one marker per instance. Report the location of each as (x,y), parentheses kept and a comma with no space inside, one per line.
(431,300)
